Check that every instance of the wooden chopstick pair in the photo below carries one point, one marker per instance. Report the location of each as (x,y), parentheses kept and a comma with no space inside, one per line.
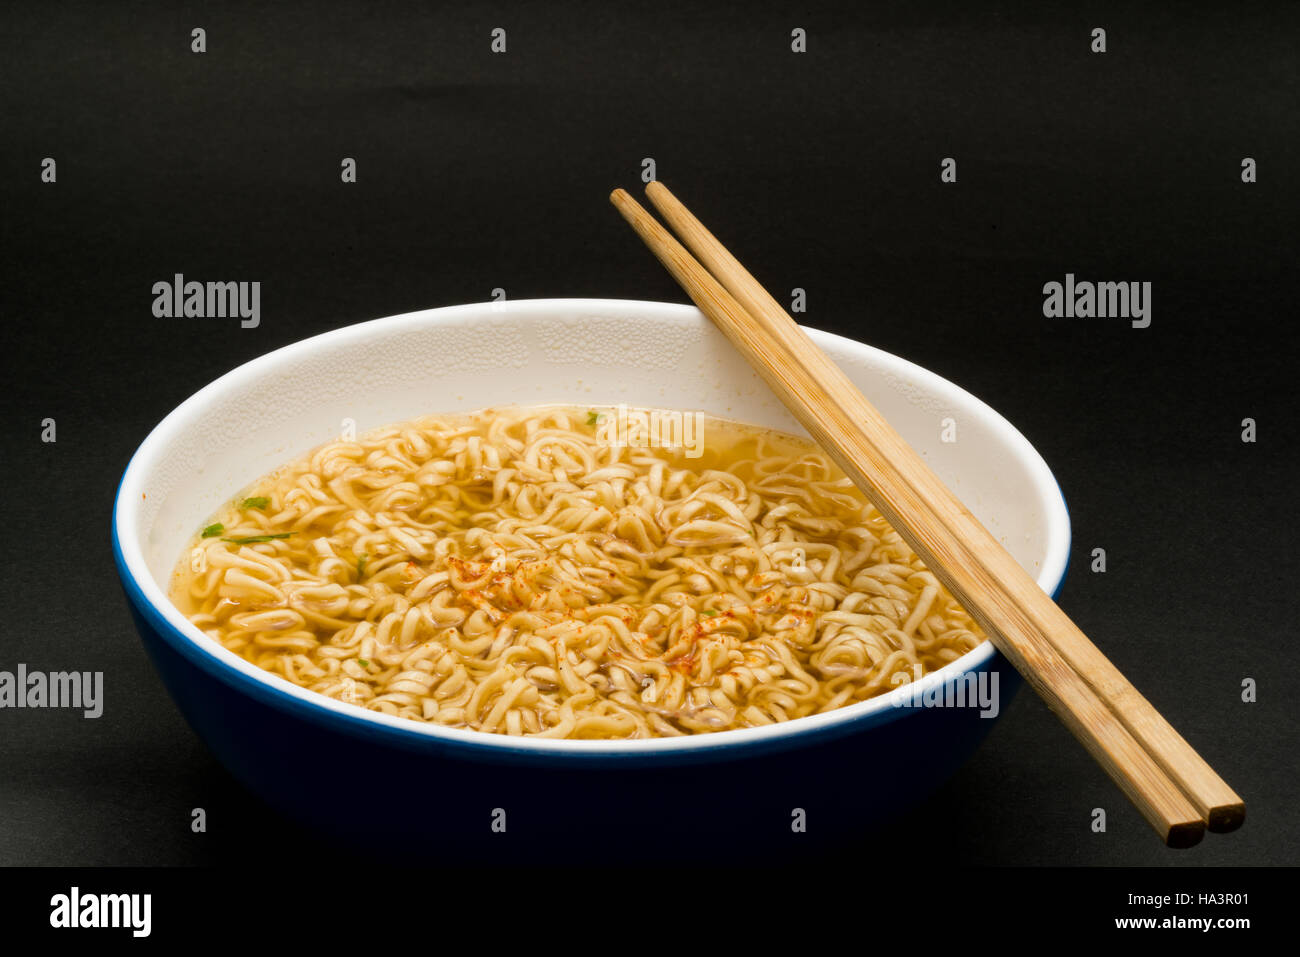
(1174,788)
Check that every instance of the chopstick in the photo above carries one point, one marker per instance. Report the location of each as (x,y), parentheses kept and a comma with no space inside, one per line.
(1177,792)
(1217,803)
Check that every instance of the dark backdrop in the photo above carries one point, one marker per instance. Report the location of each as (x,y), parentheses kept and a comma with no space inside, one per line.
(822,170)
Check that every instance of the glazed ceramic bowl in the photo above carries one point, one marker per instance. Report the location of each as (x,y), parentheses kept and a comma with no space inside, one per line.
(349,771)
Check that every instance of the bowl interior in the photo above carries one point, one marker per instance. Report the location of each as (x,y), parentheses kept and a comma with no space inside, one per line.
(579,352)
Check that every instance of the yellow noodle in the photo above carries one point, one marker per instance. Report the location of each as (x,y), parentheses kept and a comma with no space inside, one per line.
(512,572)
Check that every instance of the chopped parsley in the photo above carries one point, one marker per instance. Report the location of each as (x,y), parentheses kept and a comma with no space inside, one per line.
(709,613)
(363,663)
(254,539)
(593,417)
(258,501)
(213,530)
(361,565)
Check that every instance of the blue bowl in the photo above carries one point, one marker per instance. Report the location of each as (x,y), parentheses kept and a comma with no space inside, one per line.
(365,777)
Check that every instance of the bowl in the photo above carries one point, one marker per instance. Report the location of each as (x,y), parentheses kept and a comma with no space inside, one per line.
(361,776)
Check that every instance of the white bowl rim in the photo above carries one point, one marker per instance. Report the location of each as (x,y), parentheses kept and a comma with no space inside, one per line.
(880,709)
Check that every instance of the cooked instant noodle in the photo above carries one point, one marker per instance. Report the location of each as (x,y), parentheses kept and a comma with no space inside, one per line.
(516,571)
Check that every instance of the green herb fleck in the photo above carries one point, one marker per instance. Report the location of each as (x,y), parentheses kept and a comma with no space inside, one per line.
(363,663)
(361,565)
(213,530)
(258,501)
(254,539)
(708,613)
(593,417)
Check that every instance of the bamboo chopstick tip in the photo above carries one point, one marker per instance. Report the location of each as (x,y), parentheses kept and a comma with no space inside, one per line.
(1184,835)
(627,207)
(1227,818)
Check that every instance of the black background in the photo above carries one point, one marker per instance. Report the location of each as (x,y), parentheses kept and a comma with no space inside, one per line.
(822,171)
